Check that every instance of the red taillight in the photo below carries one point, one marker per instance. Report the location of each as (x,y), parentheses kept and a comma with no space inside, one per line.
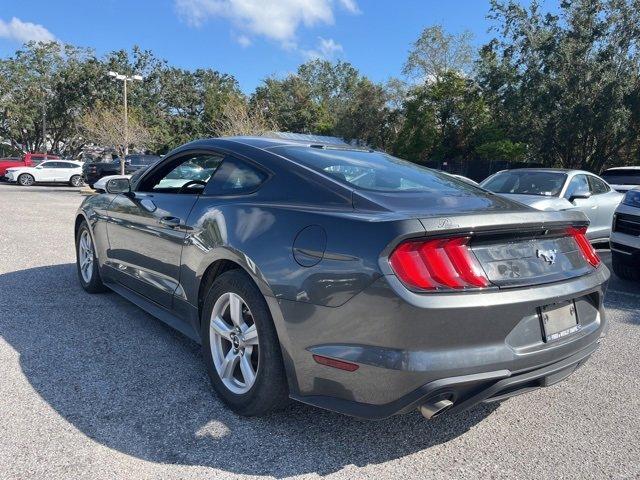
(438,264)
(586,248)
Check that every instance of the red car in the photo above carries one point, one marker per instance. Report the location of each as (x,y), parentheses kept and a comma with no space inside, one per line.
(28,160)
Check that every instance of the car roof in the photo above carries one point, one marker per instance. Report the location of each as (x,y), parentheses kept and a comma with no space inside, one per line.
(268,142)
(630,167)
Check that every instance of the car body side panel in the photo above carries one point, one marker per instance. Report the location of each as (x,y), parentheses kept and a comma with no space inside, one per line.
(144,254)
(262,237)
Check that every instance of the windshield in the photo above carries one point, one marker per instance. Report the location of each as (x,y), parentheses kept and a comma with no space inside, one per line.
(377,171)
(622,176)
(526,182)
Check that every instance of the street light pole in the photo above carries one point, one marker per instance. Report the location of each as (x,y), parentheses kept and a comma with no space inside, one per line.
(44,127)
(125,79)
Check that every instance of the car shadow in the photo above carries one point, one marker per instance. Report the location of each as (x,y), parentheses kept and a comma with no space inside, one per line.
(134,385)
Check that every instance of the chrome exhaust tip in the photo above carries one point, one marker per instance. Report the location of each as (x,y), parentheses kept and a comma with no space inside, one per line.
(430,410)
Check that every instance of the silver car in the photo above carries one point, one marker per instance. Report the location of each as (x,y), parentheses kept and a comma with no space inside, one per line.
(557,189)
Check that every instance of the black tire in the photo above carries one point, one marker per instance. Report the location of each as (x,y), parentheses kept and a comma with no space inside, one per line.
(26,180)
(269,392)
(624,267)
(94,283)
(75,181)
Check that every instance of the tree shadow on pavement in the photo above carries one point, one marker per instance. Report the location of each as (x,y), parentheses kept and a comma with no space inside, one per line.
(128,382)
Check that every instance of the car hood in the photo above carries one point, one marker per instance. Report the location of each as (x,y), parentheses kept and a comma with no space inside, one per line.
(20,169)
(539,202)
(622,187)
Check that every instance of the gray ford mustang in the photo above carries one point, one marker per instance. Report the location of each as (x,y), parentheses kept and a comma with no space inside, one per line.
(346,278)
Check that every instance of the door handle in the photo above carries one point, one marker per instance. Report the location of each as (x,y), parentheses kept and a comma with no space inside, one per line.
(171,222)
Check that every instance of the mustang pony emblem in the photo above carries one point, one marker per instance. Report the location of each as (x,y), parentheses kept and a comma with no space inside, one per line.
(547,255)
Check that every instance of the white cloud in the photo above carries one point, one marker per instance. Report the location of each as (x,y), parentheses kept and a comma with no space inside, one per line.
(22,32)
(274,19)
(350,5)
(243,40)
(327,49)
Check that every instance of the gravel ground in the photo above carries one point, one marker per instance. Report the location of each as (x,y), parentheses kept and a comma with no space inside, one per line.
(92,387)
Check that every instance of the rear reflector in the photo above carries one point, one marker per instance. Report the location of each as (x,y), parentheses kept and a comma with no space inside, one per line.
(585,246)
(339,364)
(440,264)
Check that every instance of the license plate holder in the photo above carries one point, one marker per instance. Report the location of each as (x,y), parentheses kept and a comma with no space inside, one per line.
(559,320)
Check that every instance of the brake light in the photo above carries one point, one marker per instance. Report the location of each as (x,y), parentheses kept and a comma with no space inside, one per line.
(438,264)
(585,246)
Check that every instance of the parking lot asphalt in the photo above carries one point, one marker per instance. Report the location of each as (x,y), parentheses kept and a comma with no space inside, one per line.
(93,387)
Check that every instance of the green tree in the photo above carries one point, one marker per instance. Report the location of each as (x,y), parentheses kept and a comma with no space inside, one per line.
(566,84)
(50,82)
(443,119)
(436,53)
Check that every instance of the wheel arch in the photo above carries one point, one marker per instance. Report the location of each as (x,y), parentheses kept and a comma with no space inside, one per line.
(228,259)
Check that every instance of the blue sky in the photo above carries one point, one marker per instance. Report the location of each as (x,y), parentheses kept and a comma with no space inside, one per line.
(250,39)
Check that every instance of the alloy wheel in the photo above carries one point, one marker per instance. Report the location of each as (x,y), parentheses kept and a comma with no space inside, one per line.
(26,180)
(85,256)
(234,343)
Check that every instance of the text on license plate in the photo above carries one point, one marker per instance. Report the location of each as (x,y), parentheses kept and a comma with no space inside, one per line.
(559,320)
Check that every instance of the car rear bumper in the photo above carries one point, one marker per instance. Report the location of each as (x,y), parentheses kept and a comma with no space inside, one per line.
(411,348)
(463,391)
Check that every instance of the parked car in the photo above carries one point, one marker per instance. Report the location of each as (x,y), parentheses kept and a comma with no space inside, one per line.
(51,171)
(92,171)
(346,278)
(622,179)
(625,237)
(557,189)
(27,160)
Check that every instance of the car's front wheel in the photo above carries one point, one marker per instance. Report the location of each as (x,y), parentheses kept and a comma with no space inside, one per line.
(75,181)
(26,180)
(241,348)
(87,262)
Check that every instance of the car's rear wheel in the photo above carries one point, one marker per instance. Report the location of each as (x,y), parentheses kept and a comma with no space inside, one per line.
(75,181)
(87,262)
(26,180)
(624,268)
(241,348)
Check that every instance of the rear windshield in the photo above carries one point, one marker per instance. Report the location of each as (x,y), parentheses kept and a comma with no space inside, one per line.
(526,182)
(370,170)
(622,176)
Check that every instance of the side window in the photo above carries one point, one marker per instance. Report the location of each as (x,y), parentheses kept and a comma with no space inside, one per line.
(597,185)
(578,183)
(48,165)
(235,177)
(185,174)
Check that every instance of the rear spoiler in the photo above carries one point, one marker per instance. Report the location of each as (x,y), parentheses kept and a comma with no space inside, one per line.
(504,222)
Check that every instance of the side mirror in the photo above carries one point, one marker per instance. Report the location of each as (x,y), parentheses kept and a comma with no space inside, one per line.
(118,185)
(39,167)
(580,194)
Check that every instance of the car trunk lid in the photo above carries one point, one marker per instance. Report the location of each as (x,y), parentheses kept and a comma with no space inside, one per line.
(520,248)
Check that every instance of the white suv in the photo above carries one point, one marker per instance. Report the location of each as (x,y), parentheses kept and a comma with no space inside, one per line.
(66,171)
(625,237)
